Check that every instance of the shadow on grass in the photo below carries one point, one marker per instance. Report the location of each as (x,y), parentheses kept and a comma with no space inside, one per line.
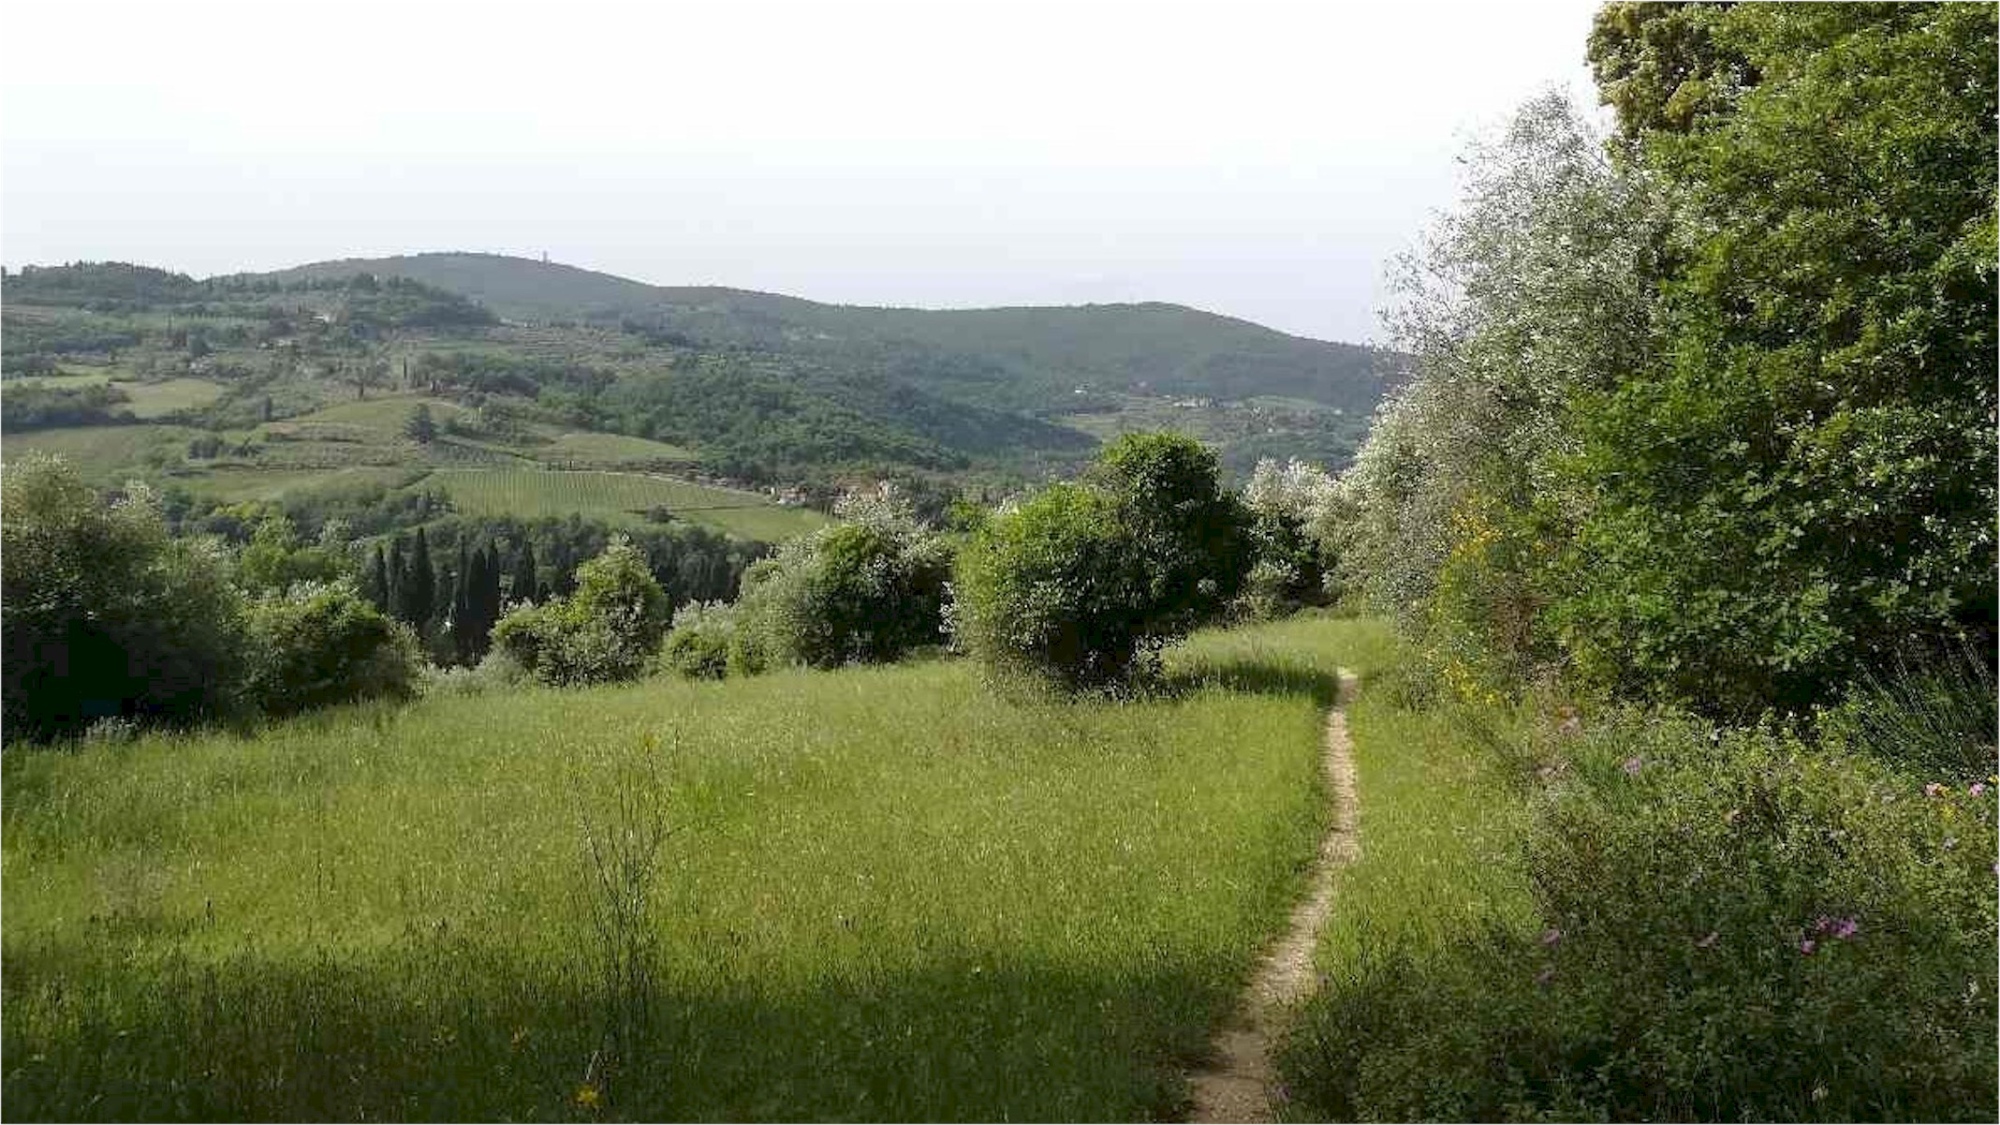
(1253,676)
(436,1029)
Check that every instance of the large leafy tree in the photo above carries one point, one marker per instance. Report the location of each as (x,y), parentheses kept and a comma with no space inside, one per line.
(1803,484)
(1084,582)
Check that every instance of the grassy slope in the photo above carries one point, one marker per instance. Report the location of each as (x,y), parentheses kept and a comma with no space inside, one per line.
(618,497)
(892,894)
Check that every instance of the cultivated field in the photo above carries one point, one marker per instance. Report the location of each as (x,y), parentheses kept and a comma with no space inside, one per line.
(530,493)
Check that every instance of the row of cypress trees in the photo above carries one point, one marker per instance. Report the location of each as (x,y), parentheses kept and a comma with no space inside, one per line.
(451,603)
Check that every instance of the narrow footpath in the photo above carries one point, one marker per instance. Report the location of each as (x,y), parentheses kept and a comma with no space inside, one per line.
(1239,1082)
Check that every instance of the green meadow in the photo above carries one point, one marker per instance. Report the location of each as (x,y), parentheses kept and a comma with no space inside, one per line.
(533,493)
(887,893)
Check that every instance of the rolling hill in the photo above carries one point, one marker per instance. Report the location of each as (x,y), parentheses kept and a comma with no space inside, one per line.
(1033,359)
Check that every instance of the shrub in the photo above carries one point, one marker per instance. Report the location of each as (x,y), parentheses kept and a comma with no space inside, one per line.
(497,671)
(1083,583)
(1293,511)
(1735,927)
(864,591)
(104,614)
(607,630)
(697,647)
(322,643)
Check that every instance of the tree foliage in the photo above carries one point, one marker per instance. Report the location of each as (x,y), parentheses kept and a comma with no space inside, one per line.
(865,590)
(104,615)
(1707,413)
(1802,486)
(608,630)
(1084,582)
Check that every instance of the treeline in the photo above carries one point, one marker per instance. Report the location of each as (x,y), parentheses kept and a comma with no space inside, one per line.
(1704,414)
(40,406)
(452,579)
(119,287)
(1689,515)
(110,618)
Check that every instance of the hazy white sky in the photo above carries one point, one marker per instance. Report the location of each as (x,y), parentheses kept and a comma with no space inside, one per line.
(1257,159)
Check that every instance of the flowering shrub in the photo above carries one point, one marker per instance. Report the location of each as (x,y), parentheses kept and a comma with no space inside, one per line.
(1733,925)
(707,642)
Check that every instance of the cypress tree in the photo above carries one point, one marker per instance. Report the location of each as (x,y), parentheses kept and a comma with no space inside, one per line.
(420,602)
(524,574)
(378,581)
(395,589)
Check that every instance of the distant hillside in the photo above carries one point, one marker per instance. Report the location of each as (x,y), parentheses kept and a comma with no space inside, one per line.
(736,385)
(1032,359)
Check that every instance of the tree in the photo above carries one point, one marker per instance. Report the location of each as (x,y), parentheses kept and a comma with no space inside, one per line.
(104,614)
(1083,583)
(378,590)
(523,587)
(1535,289)
(417,592)
(1801,486)
(420,428)
(865,590)
(321,643)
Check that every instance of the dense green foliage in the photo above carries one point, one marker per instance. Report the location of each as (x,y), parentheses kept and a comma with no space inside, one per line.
(1647,917)
(865,590)
(1805,488)
(107,617)
(104,615)
(40,406)
(1083,583)
(608,629)
(1710,420)
(314,644)
(1703,416)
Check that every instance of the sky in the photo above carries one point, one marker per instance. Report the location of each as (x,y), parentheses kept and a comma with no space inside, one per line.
(1259,159)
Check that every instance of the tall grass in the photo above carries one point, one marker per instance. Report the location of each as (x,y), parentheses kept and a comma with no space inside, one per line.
(875,893)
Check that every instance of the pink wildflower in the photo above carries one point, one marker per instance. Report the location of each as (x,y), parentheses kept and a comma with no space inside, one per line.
(1552,936)
(1807,945)
(1846,928)
(1543,978)
(1933,789)
(1978,789)
(1708,942)
(1633,765)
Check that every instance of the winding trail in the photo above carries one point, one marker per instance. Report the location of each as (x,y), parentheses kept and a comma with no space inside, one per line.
(1237,1084)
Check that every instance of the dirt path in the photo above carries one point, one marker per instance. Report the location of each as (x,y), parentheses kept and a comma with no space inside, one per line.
(1237,1085)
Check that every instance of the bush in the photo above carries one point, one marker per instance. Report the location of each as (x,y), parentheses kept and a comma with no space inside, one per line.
(1294,510)
(496,672)
(607,630)
(1736,927)
(1084,583)
(104,614)
(322,643)
(705,643)
(864,591)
